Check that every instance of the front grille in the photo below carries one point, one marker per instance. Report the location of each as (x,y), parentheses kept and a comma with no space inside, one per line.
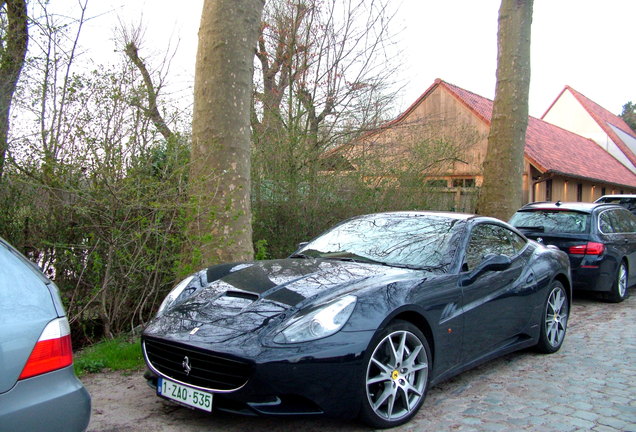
(209,370)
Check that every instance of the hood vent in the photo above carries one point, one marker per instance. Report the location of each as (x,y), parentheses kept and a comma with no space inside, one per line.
(242,295)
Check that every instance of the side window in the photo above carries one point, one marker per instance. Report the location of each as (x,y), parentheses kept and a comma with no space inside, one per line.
(605,224)
(488,239)
(518,242)
(624,221)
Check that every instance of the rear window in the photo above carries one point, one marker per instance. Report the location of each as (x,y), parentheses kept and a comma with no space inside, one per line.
(552,221)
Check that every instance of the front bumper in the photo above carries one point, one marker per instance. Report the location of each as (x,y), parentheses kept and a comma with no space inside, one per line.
(305,379)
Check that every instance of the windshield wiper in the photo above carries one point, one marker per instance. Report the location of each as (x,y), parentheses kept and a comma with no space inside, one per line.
(306,254)
(416,267)
(300,255)
(361,259)
(348,256)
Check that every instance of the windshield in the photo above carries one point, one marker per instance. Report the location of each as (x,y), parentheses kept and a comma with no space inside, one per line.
(408,240)
(552,221)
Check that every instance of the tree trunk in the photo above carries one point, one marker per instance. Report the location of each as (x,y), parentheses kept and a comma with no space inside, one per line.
(501,192)
(12,54)
(221,227)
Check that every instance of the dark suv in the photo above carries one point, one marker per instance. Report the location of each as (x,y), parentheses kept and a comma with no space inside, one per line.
(600,240)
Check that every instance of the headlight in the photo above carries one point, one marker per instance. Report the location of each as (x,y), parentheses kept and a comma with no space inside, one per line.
(318,323)
(174,294)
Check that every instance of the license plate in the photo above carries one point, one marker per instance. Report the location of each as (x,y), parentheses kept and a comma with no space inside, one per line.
(185,395)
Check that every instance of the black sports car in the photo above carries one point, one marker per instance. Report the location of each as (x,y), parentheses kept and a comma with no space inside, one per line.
(361,320)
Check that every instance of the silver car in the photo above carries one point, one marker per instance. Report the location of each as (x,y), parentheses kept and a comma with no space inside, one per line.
(38,388)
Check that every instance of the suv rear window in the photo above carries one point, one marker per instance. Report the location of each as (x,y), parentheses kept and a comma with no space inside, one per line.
(552,221)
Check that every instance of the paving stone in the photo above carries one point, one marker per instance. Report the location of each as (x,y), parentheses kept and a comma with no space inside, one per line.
(601,428)
(585,415)
(582,405)
(582,423)
(561,409)
(613,422)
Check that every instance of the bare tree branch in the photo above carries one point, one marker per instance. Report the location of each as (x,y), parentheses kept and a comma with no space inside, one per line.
(152,111)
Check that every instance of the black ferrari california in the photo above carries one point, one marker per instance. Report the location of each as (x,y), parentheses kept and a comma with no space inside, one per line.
(360,321)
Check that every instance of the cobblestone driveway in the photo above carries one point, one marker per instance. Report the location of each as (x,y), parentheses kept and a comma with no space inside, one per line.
(589,385)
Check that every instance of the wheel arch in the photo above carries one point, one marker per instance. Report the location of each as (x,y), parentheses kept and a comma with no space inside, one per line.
(421,323)
(565,281)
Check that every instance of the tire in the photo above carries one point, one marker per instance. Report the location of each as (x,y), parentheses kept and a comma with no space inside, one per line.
(554,322)
(396,375)
(618,291)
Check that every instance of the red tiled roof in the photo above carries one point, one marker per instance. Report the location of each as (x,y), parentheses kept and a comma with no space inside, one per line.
(603,118)
(552,149)
(479,105)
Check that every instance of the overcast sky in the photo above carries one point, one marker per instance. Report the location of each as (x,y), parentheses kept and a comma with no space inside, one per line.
(587,44)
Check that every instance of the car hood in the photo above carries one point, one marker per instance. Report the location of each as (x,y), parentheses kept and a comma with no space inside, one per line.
(251,296)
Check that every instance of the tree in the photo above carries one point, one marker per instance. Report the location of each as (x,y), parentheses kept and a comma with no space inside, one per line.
(221,135)
(14,38)
(501,191)
(629,115)
(324,75)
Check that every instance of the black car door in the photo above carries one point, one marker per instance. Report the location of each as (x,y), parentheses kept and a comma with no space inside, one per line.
(618,229)
(495,306)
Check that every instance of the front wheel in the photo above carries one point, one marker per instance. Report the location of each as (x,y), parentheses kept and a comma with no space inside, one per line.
(556,312)
(397,375)
(618,291)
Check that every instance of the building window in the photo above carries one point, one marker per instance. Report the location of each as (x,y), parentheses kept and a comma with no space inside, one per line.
(603,191)
(436,183)
(466,183)
(579,192)
(548,190)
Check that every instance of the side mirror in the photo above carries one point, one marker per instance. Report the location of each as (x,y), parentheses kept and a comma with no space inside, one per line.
(491,262)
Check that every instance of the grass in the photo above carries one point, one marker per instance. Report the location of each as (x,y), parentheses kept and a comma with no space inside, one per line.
(113,354)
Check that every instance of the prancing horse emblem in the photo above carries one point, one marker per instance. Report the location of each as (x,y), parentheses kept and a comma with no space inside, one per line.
(186,365)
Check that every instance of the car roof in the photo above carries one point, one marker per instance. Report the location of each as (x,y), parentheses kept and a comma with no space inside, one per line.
(450,215)
(583,207)
(616,196)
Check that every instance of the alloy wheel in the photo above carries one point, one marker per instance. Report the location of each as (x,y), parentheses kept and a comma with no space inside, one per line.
(622,280)
(556,316)
(397,376)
